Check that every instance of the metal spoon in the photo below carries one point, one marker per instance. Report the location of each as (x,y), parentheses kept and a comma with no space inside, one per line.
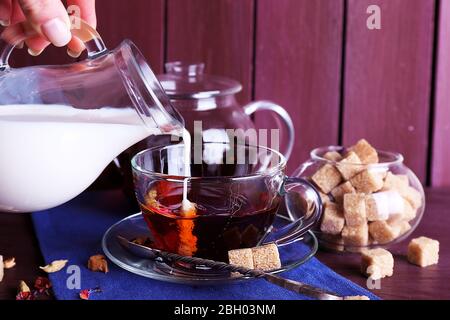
(295,286)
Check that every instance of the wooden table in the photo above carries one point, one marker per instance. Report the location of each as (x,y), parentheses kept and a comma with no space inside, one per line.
(409,282)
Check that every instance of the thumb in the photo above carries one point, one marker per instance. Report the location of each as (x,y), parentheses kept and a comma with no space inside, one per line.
(49,18)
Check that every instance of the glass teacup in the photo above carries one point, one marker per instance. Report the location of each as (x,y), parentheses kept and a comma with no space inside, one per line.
(235,192)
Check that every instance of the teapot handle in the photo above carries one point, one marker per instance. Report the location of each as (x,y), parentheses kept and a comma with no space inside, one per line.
(281,113)
(16,34)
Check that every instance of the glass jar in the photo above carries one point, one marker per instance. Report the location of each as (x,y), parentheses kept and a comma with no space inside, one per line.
(376,205)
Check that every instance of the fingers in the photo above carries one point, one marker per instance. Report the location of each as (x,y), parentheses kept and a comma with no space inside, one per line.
(75,47)
(5,12)
(86,9)
(36,44)
(49,18)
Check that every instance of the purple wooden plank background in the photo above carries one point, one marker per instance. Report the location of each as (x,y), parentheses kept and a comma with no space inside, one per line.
(219,33)
(142,21)
(298,61)
(388,78)
(440,170)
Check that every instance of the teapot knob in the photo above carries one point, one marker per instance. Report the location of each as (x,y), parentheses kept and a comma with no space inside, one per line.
(179,68)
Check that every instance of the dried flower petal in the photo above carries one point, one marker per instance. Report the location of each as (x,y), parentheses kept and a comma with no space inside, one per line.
(55,266)
(86,293)
(25,296)
(23,287)
(98,263)
(9,263)
(42,284)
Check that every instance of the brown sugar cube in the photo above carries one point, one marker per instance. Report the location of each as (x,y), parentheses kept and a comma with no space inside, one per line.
(403,226)
(413,197)
(377,263)
(332,219)
(356,236)
(367,181)
(423,251)
(98,263)
(332,156)
(327,178)
(340,190)
(356,298)
(266,257)
(324,197)
(365,152)
(409,213)
(395,182)
(350,166)
(241,258)
(377,206)
(382,232)
(355,209)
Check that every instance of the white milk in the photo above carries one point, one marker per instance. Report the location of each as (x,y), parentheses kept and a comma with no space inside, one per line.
(49,154)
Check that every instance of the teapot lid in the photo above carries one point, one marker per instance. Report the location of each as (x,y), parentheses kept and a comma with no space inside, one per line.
(188,81)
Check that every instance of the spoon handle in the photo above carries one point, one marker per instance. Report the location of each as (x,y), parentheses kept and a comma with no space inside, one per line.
(291,285)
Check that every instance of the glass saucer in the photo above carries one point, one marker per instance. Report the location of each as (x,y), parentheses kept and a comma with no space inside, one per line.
(294,251)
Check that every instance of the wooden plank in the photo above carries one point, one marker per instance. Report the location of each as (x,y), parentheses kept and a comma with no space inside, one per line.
(440,169)
(298,59)
(388,78)
(141,21)
(219,33)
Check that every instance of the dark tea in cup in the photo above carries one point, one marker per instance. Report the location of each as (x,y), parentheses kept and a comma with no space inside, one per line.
(233,204)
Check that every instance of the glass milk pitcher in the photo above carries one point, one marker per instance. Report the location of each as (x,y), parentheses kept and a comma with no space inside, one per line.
(60,126)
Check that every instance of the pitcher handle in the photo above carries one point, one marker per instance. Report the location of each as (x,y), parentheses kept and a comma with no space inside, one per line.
(281,113)
(14,35)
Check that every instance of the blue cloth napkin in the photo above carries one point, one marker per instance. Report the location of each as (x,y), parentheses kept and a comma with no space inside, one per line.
(74,231)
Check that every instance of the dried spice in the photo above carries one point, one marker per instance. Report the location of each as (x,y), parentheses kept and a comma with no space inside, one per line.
(24,292)
(98,263)
(42,285)
(25,296)
(55,266)
(9,263)
(23,287)
(86,293)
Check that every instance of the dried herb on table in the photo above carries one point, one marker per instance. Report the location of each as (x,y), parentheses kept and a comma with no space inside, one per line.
(42,285)
(98,263)
(9,263)
(55,266)
(24,292)
(86,293)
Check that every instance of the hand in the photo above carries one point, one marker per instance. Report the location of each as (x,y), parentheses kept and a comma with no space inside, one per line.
(49,19)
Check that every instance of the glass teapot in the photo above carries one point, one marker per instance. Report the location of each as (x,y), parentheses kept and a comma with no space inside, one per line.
(60,126)
(209,101)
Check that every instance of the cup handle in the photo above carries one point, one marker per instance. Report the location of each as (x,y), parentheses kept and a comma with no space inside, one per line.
(281,113)
(9,39)
(303,206)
